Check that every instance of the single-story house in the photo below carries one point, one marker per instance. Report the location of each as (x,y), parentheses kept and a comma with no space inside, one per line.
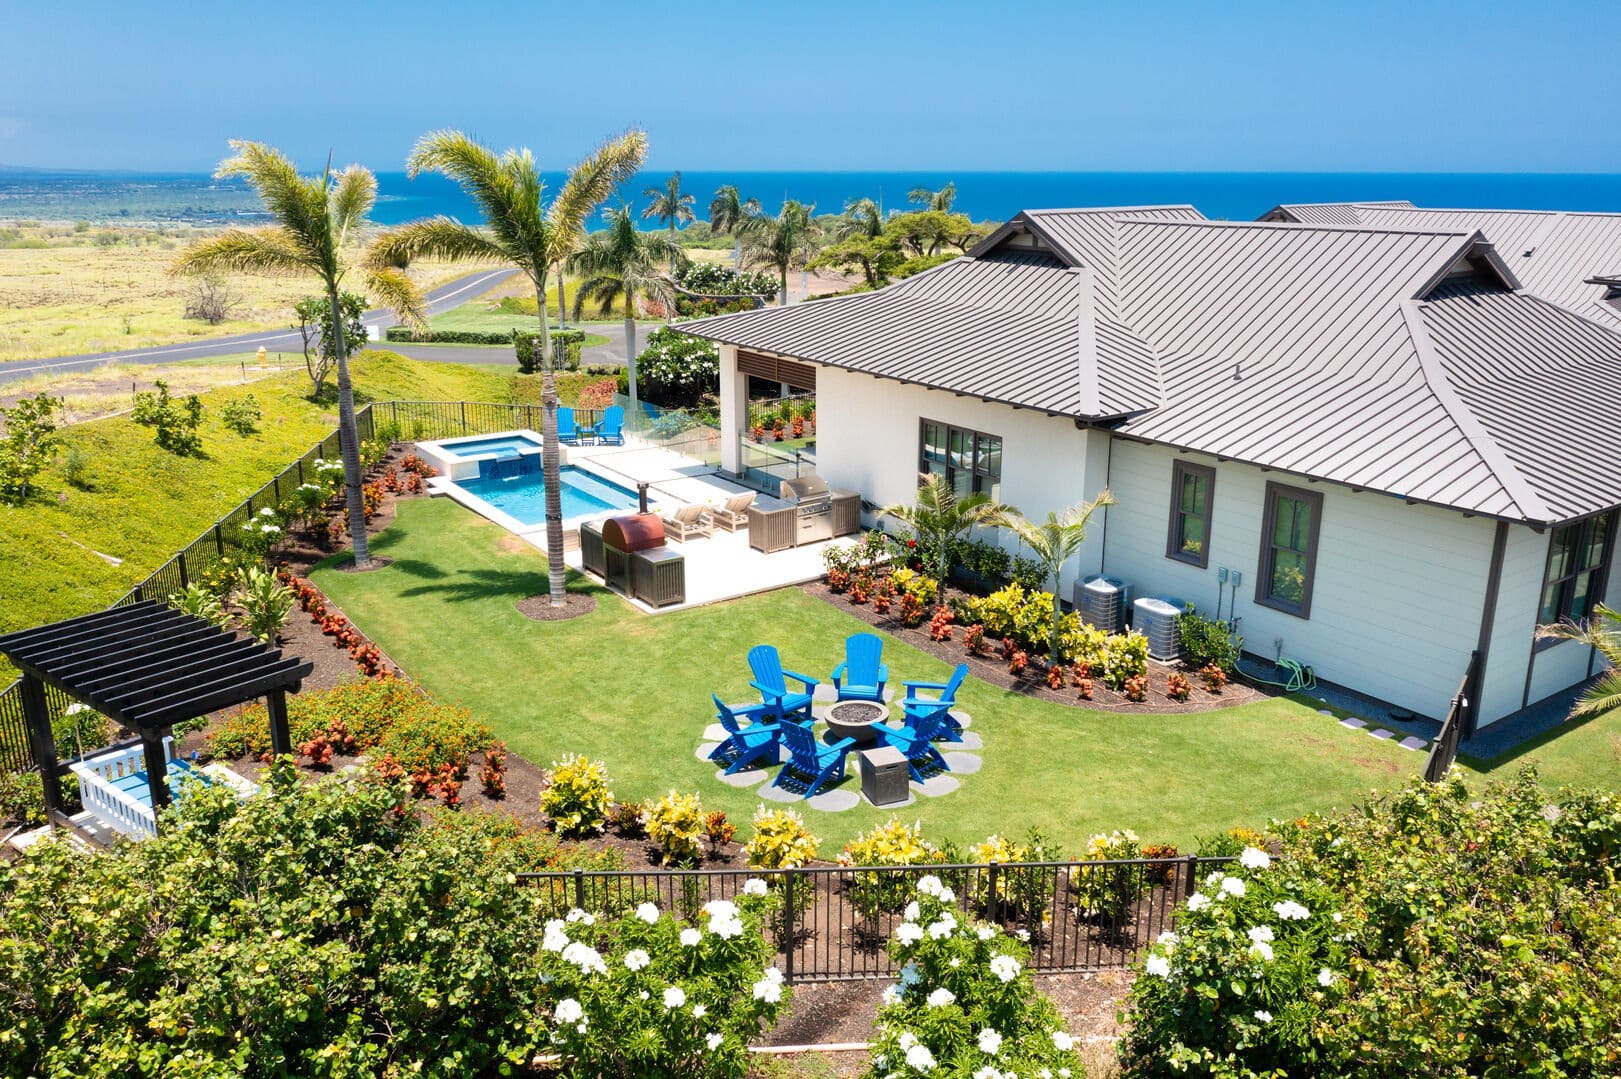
(1395,454)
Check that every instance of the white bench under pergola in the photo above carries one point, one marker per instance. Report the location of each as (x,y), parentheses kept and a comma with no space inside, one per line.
(147,666)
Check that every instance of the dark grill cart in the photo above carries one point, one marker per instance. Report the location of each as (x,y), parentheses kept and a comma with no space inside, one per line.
(592,556)
(623,535)
(658,577)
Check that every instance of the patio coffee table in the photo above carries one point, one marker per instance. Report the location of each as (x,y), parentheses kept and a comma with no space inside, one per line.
(857,719)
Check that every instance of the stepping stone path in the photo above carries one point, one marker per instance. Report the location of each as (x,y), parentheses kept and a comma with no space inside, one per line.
(1412,742)
(1353,722)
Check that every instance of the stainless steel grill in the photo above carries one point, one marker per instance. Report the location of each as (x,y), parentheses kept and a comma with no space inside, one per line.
(813,506)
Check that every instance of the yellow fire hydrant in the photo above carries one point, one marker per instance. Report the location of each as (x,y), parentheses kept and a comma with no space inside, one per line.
(261,356)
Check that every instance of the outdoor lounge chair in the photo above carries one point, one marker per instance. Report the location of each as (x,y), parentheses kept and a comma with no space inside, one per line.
(810,758)
(771,681)
(755,743)
(566,431)
(915,707)
(862,675)
(611,429)
(734,515)
(689,522)
(916,743)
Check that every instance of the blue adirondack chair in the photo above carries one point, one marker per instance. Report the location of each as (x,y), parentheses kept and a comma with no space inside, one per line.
(566,431)
(750,742)
(914,707)
(810,758)
(611,429)
(862,675)
(916,742)
(771,681)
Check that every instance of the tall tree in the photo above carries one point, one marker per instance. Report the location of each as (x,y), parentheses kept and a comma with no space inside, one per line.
(939,518)
(1054,542)
(528,231)
(934,200)
(727,211)
(670,205)
(1602,632)
(622,262)
(861,218)
(315,216)
(783,242)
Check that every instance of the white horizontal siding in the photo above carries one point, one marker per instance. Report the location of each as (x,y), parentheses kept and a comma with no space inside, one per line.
(1524,558)
(1398,589)
(867,440)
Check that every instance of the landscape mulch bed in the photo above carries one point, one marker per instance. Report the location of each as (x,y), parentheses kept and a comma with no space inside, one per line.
(989,667)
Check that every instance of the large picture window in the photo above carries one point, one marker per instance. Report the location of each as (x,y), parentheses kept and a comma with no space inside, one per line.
(1192,487)
(969,461)
(1289,548)
(1578,566)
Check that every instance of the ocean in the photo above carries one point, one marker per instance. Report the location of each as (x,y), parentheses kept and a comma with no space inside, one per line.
(199,199)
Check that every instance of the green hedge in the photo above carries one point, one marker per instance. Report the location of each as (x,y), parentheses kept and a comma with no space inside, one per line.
(450,337)
(571,342)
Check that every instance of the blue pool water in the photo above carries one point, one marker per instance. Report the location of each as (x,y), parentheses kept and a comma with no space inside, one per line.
(473,448)
(524,496)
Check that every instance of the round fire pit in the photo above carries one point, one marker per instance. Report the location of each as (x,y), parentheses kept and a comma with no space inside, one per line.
(857,719)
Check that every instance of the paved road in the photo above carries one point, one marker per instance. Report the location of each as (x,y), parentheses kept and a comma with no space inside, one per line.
(440,299)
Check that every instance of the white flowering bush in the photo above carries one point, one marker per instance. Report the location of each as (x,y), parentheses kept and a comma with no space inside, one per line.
(1437,931)
(965,1005)
(1236,988)
(678,370)
(263,531)
(647,995)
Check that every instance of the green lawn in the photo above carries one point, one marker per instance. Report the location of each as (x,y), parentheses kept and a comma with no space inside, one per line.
(483,316)
(633,690)
(72,550)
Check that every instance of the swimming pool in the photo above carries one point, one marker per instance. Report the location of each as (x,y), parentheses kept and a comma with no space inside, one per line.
(523,497)
(498,444)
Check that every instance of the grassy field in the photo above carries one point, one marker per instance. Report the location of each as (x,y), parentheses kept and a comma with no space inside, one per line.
(72,550)
(64,292)
(633,690)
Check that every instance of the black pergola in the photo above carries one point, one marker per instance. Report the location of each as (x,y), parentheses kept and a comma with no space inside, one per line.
(148,666)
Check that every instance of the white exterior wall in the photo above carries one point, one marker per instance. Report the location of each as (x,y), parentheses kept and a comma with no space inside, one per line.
(1397,593)
(868,434)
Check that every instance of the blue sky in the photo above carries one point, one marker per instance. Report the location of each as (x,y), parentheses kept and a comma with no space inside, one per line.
(1242,85)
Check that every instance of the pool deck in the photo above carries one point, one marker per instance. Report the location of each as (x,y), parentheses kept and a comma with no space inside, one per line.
(719,567)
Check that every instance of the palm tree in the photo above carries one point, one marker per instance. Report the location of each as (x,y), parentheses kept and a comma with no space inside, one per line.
(671,206)
(622,262)
(1603,632)
(934,200)
(861,218)
(939,518)
(527,231)
(314,216)
(782,242)
(727,211)
(1054,542)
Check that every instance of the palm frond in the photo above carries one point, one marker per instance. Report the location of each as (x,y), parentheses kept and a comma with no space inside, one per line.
(269,250)
(435,237)
(595,179)
(299,204)
(353,195)
(398,293)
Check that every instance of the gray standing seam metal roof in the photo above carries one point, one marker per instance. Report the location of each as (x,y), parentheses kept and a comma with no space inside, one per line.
(1342,353)
(1554,253)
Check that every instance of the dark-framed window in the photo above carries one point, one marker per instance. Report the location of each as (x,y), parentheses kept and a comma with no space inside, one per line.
(1578,569)
(968,460)
(1192,489)
(1289,548)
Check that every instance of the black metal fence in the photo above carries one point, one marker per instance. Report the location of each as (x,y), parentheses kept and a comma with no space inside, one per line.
(834,923)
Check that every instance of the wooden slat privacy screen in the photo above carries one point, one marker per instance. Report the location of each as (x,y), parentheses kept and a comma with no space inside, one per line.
(801,376)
